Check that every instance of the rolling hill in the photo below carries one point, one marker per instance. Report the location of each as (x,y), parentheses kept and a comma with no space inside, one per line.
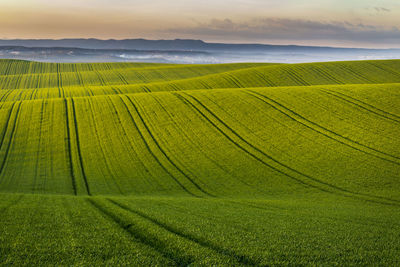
(230,164)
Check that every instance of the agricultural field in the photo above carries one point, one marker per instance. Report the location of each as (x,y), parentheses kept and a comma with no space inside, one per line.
(175,165)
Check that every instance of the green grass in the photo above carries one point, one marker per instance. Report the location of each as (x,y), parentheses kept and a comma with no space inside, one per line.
(317,229)
(232,164)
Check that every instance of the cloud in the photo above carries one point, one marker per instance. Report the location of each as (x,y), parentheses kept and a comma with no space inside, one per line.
(291,29)
(381,9)
(377,10)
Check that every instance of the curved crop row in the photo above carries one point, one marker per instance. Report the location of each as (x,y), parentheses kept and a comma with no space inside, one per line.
(155,143)
(112,76)
(195,78)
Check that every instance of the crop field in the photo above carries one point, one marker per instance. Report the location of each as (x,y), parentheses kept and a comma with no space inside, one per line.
(224,165)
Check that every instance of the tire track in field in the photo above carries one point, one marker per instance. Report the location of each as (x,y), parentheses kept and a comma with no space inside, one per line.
(7,79)
(103,154)
(152,66)
(191,238)
(291,73)
(38,149)
(6,124)
(356,74)
(196,144)
(34,93)
(7,69)
(3,162)
(163,151)
(80,79)
(172,87)
(5,95)
(331,188)
(341,189)
(257,149)
(324,131)
(150,150)
(324,73)
(59,92)
(202,115)
(145,89)
(131,146)
(59,77)
(78,146)
(199,80)
(116,90)
(204,84)
(182,172)
(235,80)
(249,130)
(18,82)
(20,96)
(141,77)
(187,176)
(100,77)
(120,76)
(341,117)
(10,83)
(362,105)
(262,77)
(387,69)
(142,237)
(69,150)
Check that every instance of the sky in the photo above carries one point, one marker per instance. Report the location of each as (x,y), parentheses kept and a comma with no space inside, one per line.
(342,23)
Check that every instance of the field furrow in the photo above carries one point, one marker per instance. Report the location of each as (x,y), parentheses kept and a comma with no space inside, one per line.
(240,259)
(195,140)
(148,146)
(326,132)
(231,135)
(5,147)
(274,164)
(75,153)
(140,236)
(69,149)
(364,105)
(163,152)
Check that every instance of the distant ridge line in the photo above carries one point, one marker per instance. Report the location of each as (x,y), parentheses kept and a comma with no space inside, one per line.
(166,45)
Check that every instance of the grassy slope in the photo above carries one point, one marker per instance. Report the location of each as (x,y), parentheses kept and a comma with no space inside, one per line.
(284,166)
(294,230)
(189,77)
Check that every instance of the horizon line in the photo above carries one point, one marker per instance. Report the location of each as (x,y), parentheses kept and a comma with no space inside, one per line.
(188,39)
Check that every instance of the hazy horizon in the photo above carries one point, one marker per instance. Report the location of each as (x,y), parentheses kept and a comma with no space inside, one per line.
(339,23)
(210,42)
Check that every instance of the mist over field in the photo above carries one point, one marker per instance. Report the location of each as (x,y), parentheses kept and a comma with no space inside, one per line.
(188,57)
(178,51)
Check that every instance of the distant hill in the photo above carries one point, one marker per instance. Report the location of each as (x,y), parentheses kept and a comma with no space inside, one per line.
(178,51)
(177,44)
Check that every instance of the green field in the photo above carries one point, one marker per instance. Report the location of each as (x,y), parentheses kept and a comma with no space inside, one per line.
(228,165)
